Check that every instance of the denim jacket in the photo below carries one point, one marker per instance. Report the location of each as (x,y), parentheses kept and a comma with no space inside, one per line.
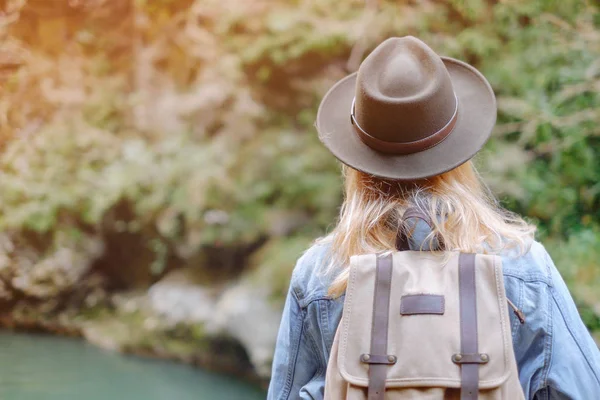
(556,356)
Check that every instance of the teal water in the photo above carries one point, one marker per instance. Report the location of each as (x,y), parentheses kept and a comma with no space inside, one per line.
(40,367)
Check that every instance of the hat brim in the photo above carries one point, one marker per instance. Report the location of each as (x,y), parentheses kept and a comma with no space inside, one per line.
(475,121)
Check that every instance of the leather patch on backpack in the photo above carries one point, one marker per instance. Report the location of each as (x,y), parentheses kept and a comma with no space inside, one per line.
(414,304)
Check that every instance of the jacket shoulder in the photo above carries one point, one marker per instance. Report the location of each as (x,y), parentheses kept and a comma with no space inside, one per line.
(532,266)
(310,280)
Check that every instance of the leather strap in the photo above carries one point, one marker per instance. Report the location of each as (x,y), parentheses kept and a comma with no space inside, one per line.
(468,325)
(412,304)
(404,148)
(402,242)
(416,213)
(378,359)
(470,358)
(379,327)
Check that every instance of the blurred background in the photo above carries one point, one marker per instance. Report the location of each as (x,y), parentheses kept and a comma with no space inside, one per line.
(160,173)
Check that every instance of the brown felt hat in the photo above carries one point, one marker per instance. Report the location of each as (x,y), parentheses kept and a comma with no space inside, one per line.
(407,113)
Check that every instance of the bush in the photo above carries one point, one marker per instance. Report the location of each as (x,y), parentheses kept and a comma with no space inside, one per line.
(197,115)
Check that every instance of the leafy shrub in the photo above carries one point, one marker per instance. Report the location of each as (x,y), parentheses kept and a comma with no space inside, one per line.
(198,115)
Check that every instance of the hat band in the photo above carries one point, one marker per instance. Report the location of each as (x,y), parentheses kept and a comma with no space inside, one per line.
(404,148)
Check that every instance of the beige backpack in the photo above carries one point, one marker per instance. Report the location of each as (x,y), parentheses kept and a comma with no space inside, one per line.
(424,325)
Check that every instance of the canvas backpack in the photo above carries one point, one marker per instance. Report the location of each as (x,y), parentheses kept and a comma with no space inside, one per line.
(424,325)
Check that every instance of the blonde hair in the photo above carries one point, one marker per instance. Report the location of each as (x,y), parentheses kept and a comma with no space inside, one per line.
(465,215)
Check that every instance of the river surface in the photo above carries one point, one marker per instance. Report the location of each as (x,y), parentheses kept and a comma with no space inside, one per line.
(41,367)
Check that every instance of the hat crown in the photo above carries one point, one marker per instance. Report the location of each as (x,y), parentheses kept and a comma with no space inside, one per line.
(403,92)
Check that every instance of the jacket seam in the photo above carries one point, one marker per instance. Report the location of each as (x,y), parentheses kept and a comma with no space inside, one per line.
(307,303)
(291,371)
(575,338)
(543,394)
(530,278)
(322,366)
(548,345)
(315,350)
(324,314)
(297,294)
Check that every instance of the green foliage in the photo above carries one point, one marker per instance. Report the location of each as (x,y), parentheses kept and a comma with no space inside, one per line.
(547,87)
(577,260)
(198,118)
(273,266)
(590,317)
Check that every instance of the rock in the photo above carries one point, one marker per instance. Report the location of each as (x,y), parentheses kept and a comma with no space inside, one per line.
(245,313)
(179,299)
(106,334)
(241,311)
(130,302)
(45,275)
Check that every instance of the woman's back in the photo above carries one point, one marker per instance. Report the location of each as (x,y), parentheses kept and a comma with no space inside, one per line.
(555,354)
(405,127)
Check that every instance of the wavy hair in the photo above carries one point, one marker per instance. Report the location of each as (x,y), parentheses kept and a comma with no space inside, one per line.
(465,214)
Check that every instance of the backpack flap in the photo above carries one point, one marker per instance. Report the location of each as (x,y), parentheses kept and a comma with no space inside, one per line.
(424,332)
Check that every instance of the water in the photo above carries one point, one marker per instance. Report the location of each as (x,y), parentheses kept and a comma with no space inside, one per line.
(40,367)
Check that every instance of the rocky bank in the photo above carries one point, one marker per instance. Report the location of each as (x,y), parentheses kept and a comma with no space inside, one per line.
(229,324)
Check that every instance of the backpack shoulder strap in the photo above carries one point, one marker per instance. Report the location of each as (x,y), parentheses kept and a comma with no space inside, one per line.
(416,213)
(402,242)
(378,359)
(469,359)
